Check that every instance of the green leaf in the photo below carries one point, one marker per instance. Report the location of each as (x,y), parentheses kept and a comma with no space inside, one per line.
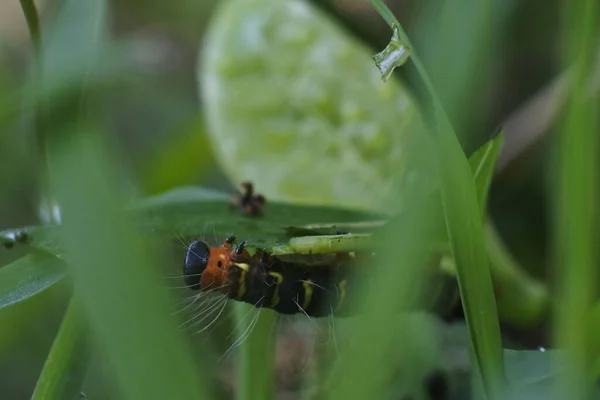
(200,212)
(66,366)
(531,367)
(324,244)
(483,163)
(29,276)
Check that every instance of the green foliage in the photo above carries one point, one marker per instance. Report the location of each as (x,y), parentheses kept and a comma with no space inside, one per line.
(482,164)
(29,276)
(464,225)
(575,234)
(67,363)
(294,104)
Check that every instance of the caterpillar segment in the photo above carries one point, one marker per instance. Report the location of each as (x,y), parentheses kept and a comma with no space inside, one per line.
(289,286)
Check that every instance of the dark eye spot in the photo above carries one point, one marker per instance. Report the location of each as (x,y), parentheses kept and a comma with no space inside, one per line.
(196,259)
(219,264)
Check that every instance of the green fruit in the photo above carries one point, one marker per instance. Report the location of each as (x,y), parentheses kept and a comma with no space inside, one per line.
(297,106)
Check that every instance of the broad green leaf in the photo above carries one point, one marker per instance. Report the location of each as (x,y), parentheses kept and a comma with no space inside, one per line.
(296,105)
(200,212)
(483,164)
(29,276)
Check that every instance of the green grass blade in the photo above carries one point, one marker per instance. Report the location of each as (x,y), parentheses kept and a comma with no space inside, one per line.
(465,231)
(256,365)
(576,200)
(66,366)
(124,300)
(29,276)
(483,165)
(378,329)
(33,20)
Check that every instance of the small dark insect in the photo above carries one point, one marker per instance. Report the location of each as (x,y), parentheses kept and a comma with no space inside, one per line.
(249,203)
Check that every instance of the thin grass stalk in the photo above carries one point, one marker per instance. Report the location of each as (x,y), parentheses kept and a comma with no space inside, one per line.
(576,199)
(465,230)
(113,270)
(37,114)
(33,22)
(256,362)
(66,366)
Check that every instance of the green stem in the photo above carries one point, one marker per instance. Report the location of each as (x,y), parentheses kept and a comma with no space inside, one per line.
(66,365)
(522,301)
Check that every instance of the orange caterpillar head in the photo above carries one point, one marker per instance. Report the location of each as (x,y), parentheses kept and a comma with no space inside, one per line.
(206,267)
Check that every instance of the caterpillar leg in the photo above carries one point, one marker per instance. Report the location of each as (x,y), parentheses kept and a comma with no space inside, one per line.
(229,242)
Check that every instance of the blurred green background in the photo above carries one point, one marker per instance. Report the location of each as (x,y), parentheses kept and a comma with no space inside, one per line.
(159,131)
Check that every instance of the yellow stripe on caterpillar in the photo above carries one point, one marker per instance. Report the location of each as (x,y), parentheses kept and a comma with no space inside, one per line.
(278,280)
(308,292)
(342,287)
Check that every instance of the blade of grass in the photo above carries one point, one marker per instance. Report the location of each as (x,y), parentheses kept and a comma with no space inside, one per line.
(576,199)
(120,290)
(377,329)
(256,365)
(465,231)
(66,365)
(483,164)
(33,21)
(113,272)
(28,276)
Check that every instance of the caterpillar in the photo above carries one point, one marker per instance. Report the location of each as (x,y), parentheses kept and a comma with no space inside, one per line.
(283,285)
